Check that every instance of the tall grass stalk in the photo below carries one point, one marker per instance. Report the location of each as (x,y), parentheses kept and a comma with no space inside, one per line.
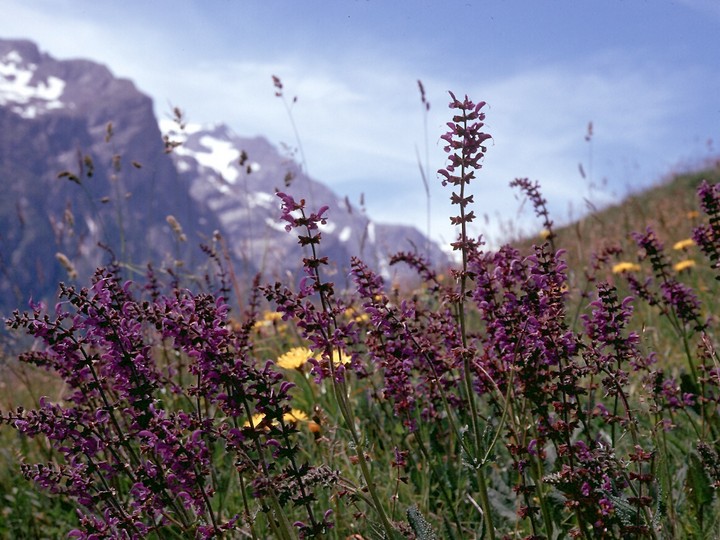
(424,168)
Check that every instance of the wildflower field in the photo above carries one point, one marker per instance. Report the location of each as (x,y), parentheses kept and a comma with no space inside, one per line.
(566,388)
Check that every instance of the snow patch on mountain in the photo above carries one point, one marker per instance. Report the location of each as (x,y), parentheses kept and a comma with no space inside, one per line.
(171,128)
(220,156)
(20,86)
(371,232)
(345,234)
(183,166)
(260,198)
(212,147)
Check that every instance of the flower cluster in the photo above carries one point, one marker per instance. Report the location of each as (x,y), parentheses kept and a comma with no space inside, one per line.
(412,345)
(156,388)
(707,237)
(466,149)
(532,192)
(675,299)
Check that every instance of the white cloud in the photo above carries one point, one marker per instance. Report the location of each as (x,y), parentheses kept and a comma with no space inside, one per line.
(360,120)
(538,120)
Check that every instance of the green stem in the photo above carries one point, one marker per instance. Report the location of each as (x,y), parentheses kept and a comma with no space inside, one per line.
(441,483)
(340,393)
(246,508)
(668,488)
(482,481)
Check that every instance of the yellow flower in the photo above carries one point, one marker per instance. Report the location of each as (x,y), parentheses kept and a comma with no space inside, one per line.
(259,325)
(355,316)
(545,234)
(295,358)
(684,265)
(256,419)
(684,244)
(292,417)
(621,268)
(295,415)
(272,316)
(363,317)
(692,214)
(343,359)
(269,318)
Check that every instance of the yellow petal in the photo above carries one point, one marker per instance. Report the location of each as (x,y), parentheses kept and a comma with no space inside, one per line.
(295,358)
(623,267)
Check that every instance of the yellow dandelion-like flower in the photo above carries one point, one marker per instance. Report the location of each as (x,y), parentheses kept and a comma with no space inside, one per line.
(684,265)
(268,319)
(295,358)
(292,417)
(684,244)
(295,415)
(363,317)
(621,268)
(355,316)
(545,234)
(259,325)
(256,419)
(272,316)
(342,359)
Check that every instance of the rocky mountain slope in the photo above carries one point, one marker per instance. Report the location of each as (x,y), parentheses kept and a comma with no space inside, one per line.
(83,161)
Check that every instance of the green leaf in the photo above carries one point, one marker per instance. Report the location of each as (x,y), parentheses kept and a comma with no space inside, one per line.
(420,525)
(698,489)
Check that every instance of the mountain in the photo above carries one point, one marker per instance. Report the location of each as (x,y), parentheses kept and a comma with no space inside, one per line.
(83,161)
(236,178)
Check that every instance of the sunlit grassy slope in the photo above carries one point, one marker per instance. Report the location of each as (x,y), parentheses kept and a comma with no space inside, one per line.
(670,207)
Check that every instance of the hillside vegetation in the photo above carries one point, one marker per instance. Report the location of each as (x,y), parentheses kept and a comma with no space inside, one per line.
(670,207)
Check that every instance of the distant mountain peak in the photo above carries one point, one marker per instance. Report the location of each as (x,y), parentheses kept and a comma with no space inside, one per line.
(21,86)
(212,147)
(74,120)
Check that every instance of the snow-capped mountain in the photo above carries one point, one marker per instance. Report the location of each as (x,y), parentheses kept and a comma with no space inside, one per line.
(18,92)
(83,161)
(237,178)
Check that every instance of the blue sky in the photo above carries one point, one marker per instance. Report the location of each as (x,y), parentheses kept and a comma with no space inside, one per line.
(645,72)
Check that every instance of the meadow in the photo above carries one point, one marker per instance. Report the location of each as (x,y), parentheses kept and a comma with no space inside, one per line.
(561,387)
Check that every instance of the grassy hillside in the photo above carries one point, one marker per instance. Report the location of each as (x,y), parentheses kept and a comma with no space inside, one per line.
(670,208)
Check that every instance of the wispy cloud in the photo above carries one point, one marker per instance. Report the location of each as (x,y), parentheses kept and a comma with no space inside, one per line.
(538,120)
(360,119)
